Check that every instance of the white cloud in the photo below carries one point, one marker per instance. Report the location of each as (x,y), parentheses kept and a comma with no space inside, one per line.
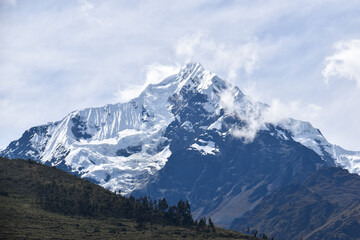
(257,115)
(296,109)
(58,56)
(128,93)
(155,73)
(345,62)
(199,47)
(228,59)
(85,5)
(187,44)
(254,115)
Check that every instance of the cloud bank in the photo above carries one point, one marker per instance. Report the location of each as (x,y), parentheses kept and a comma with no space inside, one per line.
(59,56)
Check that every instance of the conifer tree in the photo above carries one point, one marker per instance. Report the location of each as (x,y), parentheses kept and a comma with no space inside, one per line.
(163,205)
(211,225)
(201,225)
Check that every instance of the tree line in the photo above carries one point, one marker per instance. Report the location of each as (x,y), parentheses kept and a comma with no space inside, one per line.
(90,201)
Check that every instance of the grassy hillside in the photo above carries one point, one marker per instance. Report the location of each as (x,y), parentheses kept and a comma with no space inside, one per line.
(41,202)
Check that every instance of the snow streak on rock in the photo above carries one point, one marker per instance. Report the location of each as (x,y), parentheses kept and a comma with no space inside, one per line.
(119,146)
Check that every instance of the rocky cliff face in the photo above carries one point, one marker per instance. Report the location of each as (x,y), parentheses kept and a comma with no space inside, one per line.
(191,136)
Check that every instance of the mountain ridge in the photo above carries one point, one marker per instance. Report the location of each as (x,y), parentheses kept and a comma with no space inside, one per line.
(188,130)
(325,206)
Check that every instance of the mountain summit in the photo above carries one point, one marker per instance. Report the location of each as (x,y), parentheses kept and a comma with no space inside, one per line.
(192,136)
(118,145)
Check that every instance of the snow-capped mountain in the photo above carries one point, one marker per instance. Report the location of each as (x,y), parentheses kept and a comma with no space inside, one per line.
(189,128)
(119,145)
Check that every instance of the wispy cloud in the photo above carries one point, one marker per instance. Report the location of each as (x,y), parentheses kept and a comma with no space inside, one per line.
(256,115)
(58,56)
(155,73)
(345,62)
(228,59)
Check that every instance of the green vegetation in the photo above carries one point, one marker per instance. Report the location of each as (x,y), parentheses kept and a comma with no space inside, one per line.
(42,202)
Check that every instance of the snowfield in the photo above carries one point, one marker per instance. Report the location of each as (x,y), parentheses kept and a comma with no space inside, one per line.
(120,145)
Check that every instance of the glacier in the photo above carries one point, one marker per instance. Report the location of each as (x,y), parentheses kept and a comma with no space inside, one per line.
(120,146)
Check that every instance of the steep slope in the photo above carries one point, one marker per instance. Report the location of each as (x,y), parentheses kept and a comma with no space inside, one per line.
(325,206)
(25,215)
(116,145)
(191,136)
(223,177)
(119,146)
(307,135)
(345,225)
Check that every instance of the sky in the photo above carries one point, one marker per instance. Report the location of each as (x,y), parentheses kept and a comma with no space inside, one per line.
(301,56)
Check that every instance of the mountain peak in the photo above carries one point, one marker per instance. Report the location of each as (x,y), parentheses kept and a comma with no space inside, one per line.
(194,77)
(121,145)
(190,71)
(185,137)
(191,66)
